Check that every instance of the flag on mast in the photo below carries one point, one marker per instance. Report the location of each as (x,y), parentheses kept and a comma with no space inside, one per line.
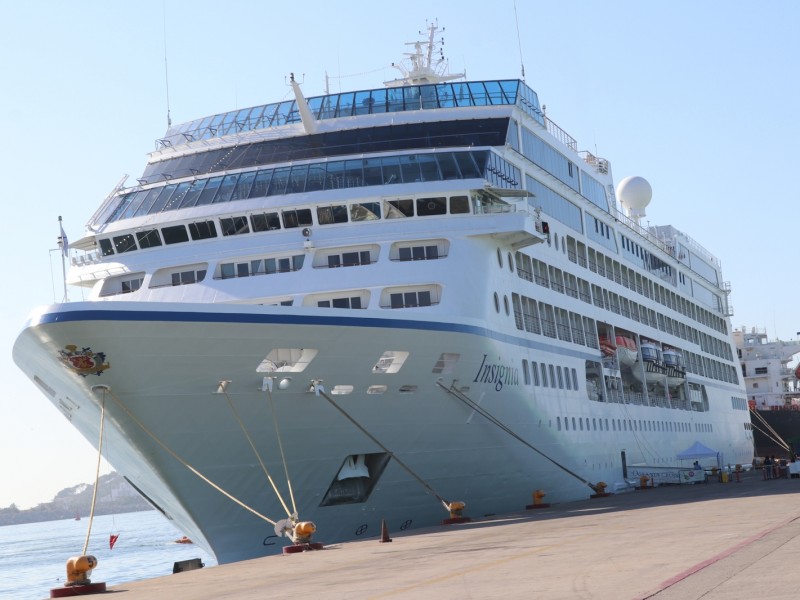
(62,239)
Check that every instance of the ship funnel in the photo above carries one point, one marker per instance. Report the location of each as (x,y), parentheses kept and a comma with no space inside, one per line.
(634,195)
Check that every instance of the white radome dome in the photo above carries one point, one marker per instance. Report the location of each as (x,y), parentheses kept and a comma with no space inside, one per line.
(634,193)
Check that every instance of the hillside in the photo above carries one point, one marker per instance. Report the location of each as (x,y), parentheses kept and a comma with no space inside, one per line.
(115,495)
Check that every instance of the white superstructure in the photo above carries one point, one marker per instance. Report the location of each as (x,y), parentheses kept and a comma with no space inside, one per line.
(389,298)
(770,381)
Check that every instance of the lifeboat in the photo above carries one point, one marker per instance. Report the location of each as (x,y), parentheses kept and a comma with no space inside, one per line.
(673,361)
(626,350)
(607,347)
(652,362)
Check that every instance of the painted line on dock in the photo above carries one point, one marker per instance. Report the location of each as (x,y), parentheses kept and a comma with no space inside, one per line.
(483,566)
(718,557)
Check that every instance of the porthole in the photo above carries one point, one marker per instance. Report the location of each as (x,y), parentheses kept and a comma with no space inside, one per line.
(499,258)
(555,240)
(505,304)
(510,262)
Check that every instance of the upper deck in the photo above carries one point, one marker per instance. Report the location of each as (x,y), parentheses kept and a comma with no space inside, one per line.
(465,94)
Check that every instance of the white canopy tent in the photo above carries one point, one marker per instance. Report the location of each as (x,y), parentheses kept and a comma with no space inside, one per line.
(697,451)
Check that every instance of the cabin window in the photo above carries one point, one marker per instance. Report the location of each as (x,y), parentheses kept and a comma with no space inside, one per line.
(234,225)
(459,205)
(332,214)
(399,208)
(351,302)
(175,234)
(106,248)
(431,206)
(365,211)
(202,230)
(296,218)
(124,243)
(265,222)
(419,253)
(148,239)
(188,277)
(349,259)
(131,285)
(410,299)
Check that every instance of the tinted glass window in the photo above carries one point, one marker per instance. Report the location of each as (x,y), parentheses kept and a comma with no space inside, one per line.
(148,239)
(431,206)
(209,191)
(459,205)
(106,248)
(175,234)
(234,225)
(265,221)
(202,230)
(124,243)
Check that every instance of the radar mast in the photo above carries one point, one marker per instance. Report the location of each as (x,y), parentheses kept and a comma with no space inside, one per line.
(426,64)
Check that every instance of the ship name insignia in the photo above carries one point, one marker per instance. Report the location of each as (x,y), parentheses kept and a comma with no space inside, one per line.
(497,374)
(84,362)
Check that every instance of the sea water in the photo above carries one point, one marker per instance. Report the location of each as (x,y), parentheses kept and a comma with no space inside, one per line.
(33,556)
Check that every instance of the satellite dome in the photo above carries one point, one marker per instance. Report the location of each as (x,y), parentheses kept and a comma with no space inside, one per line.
(634,194)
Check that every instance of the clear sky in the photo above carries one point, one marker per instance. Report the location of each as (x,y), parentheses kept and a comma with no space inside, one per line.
(697,97)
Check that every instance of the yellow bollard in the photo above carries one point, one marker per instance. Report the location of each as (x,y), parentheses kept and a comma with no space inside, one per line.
(537,500)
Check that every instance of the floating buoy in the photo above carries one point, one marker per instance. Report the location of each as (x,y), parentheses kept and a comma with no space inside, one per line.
(78,583)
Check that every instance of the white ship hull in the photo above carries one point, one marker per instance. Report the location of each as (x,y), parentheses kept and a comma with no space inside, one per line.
(423,281)
(163,415)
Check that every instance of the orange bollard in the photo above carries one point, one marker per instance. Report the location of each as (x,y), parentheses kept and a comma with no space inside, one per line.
(600,490)
(456,513)
(537,500)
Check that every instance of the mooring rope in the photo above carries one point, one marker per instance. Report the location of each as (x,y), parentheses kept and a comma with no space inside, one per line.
(255,451)
(183,462)
(777,439)
(477,408)
(280,447)
(319,390)
(97,471)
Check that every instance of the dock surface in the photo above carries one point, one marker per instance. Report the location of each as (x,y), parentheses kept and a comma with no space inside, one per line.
(715,541)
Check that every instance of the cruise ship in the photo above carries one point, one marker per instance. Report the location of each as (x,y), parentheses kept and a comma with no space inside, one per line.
(392,306)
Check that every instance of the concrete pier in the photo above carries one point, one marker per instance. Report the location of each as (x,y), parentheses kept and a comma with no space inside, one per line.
(715,541)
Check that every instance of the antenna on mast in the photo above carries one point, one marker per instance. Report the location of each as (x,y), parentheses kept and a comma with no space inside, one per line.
(166,69)
(519,41)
